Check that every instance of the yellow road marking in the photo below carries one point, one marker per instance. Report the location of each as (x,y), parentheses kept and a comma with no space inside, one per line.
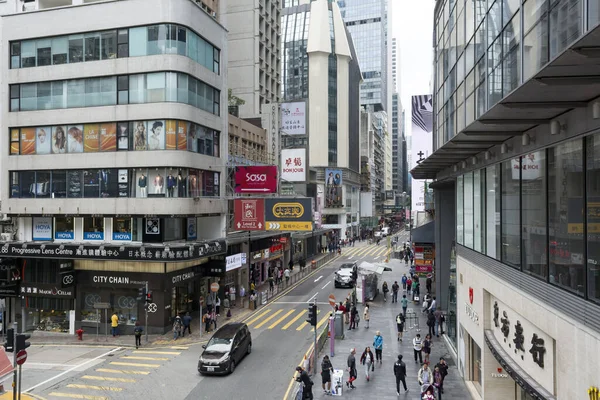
(258,316)
(352,251)
(270,317)
(305,323)
(77,396)
(173,353)
(135,364)
(373,250)
(296,318)
(179,347)
(106,378)
(322,321)
(121,371)
(93,387)
(382,252)
(274,324)
(144,358)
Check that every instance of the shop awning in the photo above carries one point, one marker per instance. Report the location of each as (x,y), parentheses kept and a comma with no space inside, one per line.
(521,377)
(424,233)
(313,233)
(570,81)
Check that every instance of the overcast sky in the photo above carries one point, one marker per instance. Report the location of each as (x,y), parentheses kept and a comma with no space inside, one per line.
(412,26)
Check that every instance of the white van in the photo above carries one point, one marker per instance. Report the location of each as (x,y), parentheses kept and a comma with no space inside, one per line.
(385,231)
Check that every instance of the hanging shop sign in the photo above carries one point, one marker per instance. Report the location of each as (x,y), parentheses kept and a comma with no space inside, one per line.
(115,252)
(256,179)
(45,290)
(249,214)
(233,262)
(288,214)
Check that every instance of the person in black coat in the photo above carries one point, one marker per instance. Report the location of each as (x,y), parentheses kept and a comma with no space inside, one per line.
(400,372)
(306,381)
(443,366)
(431,323)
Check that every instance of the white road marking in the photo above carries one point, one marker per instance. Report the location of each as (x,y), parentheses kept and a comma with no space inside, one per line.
(325,285)
(363,256)
(315,295)
(72,369)
(299,302)
(319,278)
(376,257)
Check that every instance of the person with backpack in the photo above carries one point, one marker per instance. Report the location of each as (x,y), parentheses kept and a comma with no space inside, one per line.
(326,371)
(404,279)
(137,331)
(400,373)
(400,325)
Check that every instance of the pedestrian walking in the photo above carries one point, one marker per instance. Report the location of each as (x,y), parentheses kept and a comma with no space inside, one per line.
(232,294)
(114,324)
(378,345)
(400,325)
(353,314)
(395,288)
(428,283)
(286,273)
(425,376)
(385,290)
(137,331)
(418,348)
(187,321)
(176,327)
(351,369)
(366,315)
(271,283)
(326,371)
(414,288)
(404,304)
(404,279)
(368,362)
(206,321)
(400,373)
(433,305)
(443,366)
(408,286)
(218,306)
(438,316)
(427,344)
(348,307)
(438,381)
(306,381)
(431,323)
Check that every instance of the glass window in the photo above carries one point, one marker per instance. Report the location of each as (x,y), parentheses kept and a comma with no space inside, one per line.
(566,216)
(156,87)
(511,216)
(93,228)
(44,52)
(468,201)
(59,184)
(534,11)
(15,54)
(91,183)
(494,21)
(138,39)
(535,50)
(476,365)
(75,48)
(28,54)
(109,180)
(460,210)
(27,184)
(533,213)
(137,89)
(28,96)
(510,7)
(492,211)
(593,216)
(76,93)
(74,184)
(122,229)
(92,46)
(478,210)
(64,228)
(565,25)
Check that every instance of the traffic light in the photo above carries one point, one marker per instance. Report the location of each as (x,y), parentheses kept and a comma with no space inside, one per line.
(9,344)
(312,314)
(141,293)
(22,343)
(149,297)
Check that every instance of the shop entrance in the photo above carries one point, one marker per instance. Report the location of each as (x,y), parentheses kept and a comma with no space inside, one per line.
(182,299)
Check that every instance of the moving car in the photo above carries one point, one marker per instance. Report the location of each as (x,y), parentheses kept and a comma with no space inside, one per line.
(225,349)
(346,275)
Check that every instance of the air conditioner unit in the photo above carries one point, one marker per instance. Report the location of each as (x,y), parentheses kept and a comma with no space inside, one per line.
(6,237)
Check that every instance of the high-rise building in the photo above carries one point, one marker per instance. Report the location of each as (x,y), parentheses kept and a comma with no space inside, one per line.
(114,173)
(254,64)
(332,109)
(516,165)
(367,21)
(397,139)
(395,63)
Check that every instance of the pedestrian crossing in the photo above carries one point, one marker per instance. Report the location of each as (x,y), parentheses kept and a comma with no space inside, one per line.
(372,251)
(114,377)
(288,319)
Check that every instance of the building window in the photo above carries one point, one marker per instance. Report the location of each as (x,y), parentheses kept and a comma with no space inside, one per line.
(492,211)
(93,228)
(593,216)
(460,224)
(511,213)
(468,200)
(122,229)
(478,210)
(476,367)
(64,228)
(533,214)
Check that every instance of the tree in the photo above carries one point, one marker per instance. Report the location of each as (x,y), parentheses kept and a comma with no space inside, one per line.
(233,100)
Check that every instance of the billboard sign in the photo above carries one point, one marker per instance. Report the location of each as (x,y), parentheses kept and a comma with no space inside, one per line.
(288,214)
(421,144)
(249,214)
(42,228)
(333,188)
(293,118)
(293,165)
(256,179)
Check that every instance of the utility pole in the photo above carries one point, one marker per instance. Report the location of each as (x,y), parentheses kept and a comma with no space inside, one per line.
(14,384)
(146,312)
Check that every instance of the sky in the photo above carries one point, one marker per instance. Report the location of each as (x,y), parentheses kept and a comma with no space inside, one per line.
(412,26)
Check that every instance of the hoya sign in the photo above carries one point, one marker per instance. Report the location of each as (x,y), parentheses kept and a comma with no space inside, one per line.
(256,179)
(42,228)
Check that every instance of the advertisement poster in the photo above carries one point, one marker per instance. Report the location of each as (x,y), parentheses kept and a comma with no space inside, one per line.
(192,139)
(293,165)
(288,214)
(108,137)
(14,141)
(333,188)
(91,136)
(139,135)
(182,135)
(42,228)
(422,144)
(123,140)
(59,140)
(123,180)
(171,134)
(156,135)
(192,233)
(249,214)
(293,118)
(75,139)
(27,141)
(43,139)
(256,179)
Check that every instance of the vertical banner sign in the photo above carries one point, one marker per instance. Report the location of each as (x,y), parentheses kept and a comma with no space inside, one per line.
(293,118)
(333,188)
(249,214)
(192,233)
(422,144)
(293,165)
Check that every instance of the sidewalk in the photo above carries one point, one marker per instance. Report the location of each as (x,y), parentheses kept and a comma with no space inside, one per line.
(383,383)
(40,338)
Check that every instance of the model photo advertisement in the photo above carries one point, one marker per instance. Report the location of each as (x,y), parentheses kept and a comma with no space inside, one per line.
(75,139)
(43,140)
(156,136)
(139,135)
(59,140)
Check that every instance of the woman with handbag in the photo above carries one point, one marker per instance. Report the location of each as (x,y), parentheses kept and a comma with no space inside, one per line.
(368,361)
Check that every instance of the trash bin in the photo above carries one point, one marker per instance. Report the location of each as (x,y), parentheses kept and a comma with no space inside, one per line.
(339,325)
(313,264)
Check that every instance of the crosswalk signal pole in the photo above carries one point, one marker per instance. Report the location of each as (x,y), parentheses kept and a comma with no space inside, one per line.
(14,384)
(146,312)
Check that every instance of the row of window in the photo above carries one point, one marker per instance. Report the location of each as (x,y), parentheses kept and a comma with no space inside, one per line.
(115,43)
(155,87)
(113,136)
(115,182)
(539,213)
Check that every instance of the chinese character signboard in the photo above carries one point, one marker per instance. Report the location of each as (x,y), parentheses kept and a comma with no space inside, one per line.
(333,188)
(530,347)
(293,214)
(293,118)
(249,214)
(293,165)
(256,179)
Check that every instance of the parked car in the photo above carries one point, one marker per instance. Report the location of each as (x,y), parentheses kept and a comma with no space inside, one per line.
(345,276)
(225,349)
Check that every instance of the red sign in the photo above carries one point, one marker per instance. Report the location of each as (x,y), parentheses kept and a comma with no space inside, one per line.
(249,214)
(21,357)
(275,248)
(471,295)
(256,179)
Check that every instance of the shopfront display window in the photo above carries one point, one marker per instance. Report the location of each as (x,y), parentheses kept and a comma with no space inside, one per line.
(476,367)
(48,314)
(451,316)
(125,306)
(93,228)
(122,229)
(64,228)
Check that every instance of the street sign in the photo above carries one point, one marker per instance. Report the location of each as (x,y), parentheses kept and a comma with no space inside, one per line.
(214,287)
(21,357)
(201,300)
(332,300)
(249,214)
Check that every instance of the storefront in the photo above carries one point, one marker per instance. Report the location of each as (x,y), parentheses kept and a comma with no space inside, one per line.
(235,271)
